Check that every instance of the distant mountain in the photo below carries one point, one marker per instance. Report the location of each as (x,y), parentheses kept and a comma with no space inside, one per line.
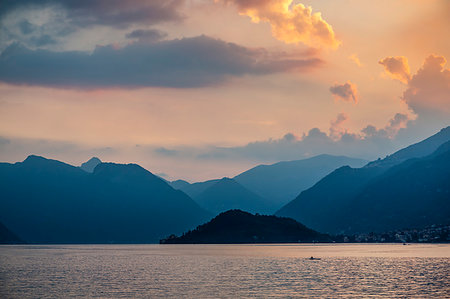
(381,195)
(421,149)
(283,181)
(8,237)
(237,227)
(47,201)
(178,184)
(195,189)
(90,165)
(415,193)
(227,194)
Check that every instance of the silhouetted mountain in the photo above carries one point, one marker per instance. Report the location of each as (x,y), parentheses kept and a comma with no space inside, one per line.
(90,165)
(235,226)
(227,194)
(8,237)
(379,196)
(195,189)
(178,184)
(47,201)
(415,193)
(283,181)
(421,149)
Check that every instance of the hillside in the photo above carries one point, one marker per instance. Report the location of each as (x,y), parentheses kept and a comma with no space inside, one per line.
(8,237)
(236,227)
(283,181)
(355,200)
(47,201)
(227,194)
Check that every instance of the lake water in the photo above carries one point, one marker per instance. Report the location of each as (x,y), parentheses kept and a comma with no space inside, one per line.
(225,271)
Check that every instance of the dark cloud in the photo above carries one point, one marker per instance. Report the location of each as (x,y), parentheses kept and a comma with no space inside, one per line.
(115,13)
(188,62)
(398,122)
(151,35)
(347,92)
(26,27)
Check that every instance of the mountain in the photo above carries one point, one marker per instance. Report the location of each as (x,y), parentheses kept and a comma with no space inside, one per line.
(421,149)
(396,192)
(47,201)
(415,193)
(90,165)
(237,227)
(8,237)
(178,184)
(227,194)
(283,181)
(195,189)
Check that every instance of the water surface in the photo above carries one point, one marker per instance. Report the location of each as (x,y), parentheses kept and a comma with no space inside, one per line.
(225,271)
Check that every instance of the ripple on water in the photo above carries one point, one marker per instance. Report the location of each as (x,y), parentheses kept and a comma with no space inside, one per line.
(221,271)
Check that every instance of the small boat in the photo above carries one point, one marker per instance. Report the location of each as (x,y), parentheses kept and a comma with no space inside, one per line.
(314,259)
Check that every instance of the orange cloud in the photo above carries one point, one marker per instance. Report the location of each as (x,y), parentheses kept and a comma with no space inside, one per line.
(397,68)
(356,60)
(291,23)
(429,89)
(347,92)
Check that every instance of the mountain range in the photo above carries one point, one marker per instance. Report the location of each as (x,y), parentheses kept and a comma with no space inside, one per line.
(274,184)
(409,188)
(47,201)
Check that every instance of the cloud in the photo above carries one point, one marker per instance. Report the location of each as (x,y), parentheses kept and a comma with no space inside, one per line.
(346,92)
(151,35)
(428,90)
(291,23)
(188,62)
(336,128)
(355,59)
(397,68)
(399,121)
(116,13)
(370,143)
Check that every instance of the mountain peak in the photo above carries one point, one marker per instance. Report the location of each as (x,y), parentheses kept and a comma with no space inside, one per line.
(90,165)
(417,150)
(34,158)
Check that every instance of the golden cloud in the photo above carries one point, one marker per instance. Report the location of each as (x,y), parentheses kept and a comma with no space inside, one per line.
(397,68)
(291,23)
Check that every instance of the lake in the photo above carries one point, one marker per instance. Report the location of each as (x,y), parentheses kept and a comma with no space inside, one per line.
(225,271)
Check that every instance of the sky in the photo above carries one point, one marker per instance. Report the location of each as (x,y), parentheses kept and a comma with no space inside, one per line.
(202,89)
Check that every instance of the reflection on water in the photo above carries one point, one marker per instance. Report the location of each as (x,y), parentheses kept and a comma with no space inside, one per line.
(224,271)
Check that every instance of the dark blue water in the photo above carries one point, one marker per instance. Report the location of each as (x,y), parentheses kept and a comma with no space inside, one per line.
(225,271)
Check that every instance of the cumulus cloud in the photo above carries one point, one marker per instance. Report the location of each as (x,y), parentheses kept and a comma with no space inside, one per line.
(370,143)
(399,121)
(188,62)
(397,68)
(291,23)
(429,89)
(116,13)
(346,92)
(336,128)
